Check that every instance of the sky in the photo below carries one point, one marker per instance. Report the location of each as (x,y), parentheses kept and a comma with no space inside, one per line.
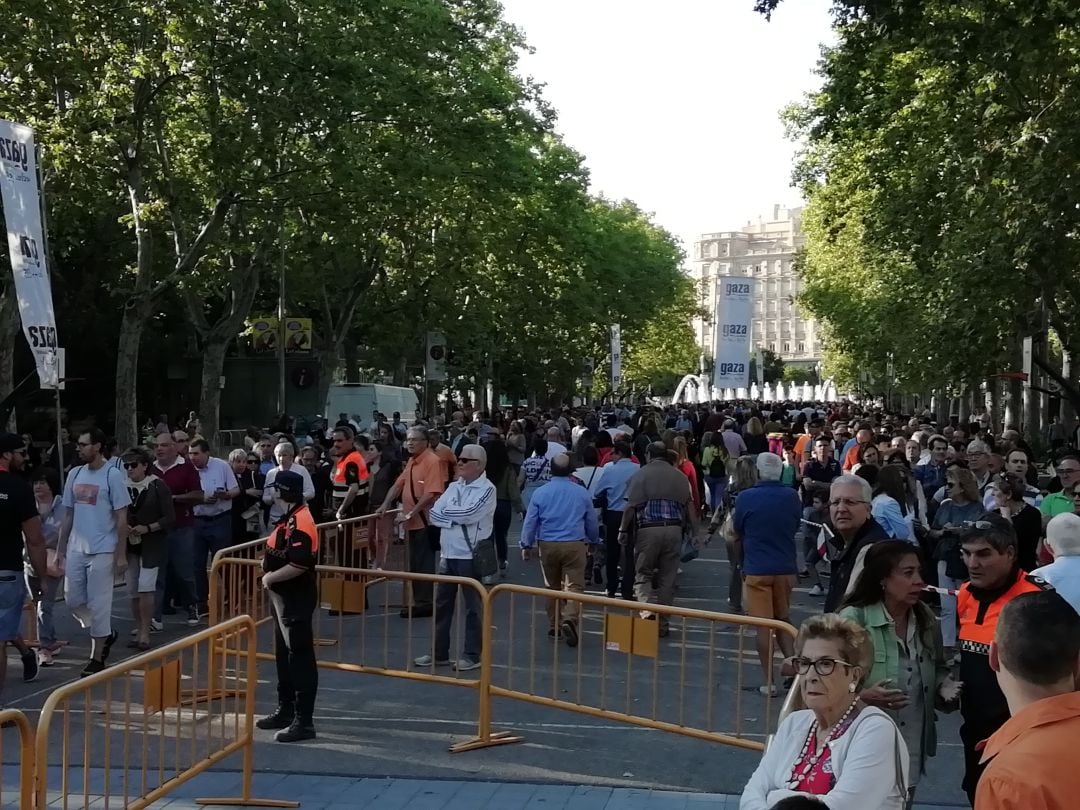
(675,103)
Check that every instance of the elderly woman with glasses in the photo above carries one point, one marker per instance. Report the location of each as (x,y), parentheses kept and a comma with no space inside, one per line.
(839,748)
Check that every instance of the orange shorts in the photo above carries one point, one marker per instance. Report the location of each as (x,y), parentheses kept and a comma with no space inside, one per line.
(768,597)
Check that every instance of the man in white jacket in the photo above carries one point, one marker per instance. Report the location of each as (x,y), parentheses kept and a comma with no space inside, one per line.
(465,513)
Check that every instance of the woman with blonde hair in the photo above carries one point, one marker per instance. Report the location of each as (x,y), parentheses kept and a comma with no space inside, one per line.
(838,748)
(962,505)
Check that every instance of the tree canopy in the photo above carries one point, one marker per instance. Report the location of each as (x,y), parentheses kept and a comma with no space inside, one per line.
(389,156)
(937,161)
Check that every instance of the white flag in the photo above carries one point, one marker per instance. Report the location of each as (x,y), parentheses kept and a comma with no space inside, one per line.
(26,245)
(616,357)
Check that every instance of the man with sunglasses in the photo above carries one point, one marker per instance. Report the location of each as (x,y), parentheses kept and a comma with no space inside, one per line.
(19,522)
(465,515)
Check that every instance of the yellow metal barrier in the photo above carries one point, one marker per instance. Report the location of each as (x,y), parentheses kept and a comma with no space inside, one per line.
(14,719)
(623,670)
(129,722)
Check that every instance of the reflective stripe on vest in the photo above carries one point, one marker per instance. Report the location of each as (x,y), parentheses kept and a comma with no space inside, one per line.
(341,489)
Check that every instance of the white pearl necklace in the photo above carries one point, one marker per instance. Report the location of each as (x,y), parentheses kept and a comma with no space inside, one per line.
(797,776)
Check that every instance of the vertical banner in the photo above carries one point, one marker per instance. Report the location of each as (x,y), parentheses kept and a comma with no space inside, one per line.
(435,363)
(26,246)
(616,357)
(731,333)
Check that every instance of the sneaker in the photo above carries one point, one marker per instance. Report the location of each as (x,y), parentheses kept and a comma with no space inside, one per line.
(570,634)
(817,590)
(768,690)
(156,626)
(45,658)
(193,616)
(429,661)
(282,717)
(297,732)
(466,665)
(92,667)
(503,566)
(29,666)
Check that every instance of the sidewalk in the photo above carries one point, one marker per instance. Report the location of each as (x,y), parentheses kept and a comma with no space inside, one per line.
(339,793)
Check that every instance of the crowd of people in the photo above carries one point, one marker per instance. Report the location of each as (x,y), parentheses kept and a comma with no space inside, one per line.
(917,537)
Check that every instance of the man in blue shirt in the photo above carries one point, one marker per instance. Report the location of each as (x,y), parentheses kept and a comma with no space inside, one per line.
(612,494)
(765,522)
(1063,538)
(561,520)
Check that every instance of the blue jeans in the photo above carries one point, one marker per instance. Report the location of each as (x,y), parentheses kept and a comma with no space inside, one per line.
(179,566)
(445,602)
(211,535)
(717,488)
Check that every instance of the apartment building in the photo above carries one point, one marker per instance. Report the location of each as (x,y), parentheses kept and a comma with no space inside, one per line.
(764,251)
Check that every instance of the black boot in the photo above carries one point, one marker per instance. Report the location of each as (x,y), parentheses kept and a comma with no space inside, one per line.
(300,729)
(282,717)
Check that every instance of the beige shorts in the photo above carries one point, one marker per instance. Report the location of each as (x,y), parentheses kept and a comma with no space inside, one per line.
(768,597)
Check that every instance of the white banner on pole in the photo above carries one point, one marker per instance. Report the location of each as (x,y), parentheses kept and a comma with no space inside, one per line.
(731,333)
(616,357)
(26,246)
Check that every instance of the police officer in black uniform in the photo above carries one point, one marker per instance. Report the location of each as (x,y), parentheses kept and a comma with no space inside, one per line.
(289,577)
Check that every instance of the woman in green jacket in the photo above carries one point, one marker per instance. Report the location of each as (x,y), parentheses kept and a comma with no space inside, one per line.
(909,678)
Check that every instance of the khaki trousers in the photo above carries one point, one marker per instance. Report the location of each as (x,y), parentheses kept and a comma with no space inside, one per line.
(563,564)
(657,549)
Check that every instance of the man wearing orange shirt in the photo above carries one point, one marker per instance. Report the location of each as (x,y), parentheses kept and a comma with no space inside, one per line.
(1032,758)
(419,486)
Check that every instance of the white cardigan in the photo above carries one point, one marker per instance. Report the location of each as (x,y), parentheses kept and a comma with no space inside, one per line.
(864,759)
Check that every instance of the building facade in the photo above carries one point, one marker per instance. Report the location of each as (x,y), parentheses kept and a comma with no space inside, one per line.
(763,251)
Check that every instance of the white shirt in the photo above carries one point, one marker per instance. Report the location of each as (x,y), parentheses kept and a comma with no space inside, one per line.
(278,507)
(1064,574)
(554,449)
(217,474)
(864,759)
(464,507)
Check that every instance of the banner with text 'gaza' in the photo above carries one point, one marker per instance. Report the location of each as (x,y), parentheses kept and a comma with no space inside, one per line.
(731,332)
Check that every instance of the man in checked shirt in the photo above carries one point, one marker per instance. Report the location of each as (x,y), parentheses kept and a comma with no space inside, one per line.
(658,501)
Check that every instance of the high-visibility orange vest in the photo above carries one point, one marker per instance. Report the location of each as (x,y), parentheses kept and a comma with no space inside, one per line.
(977,626)
(341,489)
(294,521)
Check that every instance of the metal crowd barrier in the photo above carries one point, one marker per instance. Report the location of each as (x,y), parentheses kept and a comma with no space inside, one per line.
(125,734)
(13,719)
(621,670)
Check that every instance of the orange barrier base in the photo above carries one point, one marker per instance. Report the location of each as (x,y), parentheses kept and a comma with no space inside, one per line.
(476,743)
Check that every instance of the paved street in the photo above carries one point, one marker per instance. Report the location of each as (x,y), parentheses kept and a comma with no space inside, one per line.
(388,730)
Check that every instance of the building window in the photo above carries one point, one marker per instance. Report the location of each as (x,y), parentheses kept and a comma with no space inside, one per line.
(787,348)
(801,348)
(772,347)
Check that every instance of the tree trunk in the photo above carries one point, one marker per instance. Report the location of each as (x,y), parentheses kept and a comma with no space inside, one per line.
(9,330)
(329,359)
(213,363)
(352,360)
(136,314)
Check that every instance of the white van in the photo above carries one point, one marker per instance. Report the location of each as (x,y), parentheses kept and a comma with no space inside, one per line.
(361,399)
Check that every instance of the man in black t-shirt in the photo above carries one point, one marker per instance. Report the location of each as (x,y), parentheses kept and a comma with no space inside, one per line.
(19,519)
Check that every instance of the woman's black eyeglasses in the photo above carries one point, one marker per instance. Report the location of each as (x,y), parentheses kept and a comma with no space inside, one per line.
(822,666)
